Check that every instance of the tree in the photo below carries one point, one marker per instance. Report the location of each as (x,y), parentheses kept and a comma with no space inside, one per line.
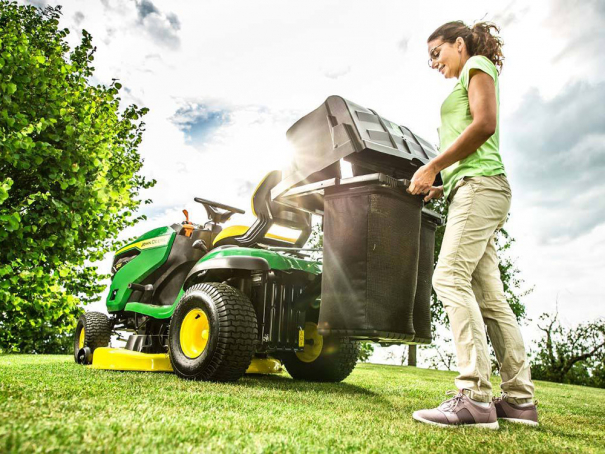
(69,177)
(570,355)
(397,355)
(442,358)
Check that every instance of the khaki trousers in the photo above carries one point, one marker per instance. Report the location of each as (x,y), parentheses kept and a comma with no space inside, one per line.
(467,281)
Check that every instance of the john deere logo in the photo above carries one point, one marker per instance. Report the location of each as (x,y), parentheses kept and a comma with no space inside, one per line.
(154,242)
(147,244)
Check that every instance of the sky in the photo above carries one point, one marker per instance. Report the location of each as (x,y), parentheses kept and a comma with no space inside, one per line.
(224,80)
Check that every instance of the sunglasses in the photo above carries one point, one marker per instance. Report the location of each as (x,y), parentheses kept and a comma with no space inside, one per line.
(434,56)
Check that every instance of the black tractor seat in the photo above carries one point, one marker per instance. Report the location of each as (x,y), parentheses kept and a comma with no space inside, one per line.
(268,214)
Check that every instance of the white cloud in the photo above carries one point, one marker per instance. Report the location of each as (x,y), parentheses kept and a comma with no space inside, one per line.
(558,159)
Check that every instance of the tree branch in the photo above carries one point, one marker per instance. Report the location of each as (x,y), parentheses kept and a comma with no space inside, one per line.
(585,356)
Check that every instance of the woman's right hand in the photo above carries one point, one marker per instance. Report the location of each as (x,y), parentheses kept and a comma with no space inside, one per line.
(436,192)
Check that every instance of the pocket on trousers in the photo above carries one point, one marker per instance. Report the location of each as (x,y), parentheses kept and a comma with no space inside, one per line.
(460,183)
(475,182)
(472,183)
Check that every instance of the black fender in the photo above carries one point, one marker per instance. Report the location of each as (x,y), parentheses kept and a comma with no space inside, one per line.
(234,262)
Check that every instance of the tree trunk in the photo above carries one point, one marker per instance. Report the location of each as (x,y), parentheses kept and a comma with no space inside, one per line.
(412,356)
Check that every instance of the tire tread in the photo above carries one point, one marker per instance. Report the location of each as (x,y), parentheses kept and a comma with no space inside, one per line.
(237,333)
(97,331)
(333,368)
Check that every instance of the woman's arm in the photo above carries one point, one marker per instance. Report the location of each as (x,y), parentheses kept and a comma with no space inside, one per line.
(483,106)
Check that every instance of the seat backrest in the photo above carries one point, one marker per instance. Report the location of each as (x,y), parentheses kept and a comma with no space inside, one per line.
(266,209)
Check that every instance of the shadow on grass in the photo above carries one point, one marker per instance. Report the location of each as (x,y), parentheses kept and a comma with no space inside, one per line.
(318,389)
(281,382)
(284,383)
(278,383)
(269,381)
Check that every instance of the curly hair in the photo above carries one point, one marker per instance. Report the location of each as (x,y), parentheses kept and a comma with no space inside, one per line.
(480,39)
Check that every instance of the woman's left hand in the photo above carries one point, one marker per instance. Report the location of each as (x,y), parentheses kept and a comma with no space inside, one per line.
(422,180)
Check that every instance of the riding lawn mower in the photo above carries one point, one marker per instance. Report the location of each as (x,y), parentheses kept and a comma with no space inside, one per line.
(213,303)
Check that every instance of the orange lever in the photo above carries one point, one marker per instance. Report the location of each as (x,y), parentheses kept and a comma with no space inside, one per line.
(187,226)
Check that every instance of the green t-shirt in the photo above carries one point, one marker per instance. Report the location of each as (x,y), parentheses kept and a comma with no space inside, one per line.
(456,117)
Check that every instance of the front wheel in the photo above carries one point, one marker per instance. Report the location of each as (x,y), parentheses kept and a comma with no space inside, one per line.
(92,331)
(212,333)
(324,358)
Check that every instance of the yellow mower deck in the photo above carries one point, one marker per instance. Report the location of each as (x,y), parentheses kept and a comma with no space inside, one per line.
(121,359)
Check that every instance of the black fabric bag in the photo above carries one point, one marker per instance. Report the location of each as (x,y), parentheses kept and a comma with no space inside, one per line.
(422,301)
(370,268)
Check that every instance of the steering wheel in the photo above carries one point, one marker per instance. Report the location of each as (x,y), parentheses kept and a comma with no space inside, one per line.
(218,212)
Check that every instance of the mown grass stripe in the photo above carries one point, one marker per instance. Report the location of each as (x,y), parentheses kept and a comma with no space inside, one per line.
(50,404)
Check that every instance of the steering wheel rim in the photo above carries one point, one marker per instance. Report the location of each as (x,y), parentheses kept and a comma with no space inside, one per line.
(222,206)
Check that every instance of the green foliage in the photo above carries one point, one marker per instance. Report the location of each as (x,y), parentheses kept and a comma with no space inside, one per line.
(69,177)
(570,355)
(366,350)
(316,239)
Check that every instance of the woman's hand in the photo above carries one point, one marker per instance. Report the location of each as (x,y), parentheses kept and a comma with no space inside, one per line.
(436,192)
(423,180)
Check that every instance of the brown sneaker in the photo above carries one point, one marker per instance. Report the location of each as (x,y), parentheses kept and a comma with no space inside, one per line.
(521,414)
(459,411)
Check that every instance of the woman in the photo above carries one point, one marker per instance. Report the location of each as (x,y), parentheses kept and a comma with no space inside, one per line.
(467,278)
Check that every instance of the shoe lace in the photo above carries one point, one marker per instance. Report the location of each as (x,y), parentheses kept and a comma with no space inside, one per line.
(451,403)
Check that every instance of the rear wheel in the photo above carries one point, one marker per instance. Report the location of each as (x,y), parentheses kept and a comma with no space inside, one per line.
(212,333)
(93,331)
(324,359)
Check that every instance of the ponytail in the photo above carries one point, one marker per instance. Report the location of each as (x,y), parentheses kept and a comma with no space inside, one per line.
(481,39)
(487,43)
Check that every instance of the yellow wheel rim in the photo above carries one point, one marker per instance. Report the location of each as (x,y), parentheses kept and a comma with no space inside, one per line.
(313,344)
(195,332)
(81,339)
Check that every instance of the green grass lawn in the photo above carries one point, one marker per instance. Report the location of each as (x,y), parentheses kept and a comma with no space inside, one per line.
(51,404)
